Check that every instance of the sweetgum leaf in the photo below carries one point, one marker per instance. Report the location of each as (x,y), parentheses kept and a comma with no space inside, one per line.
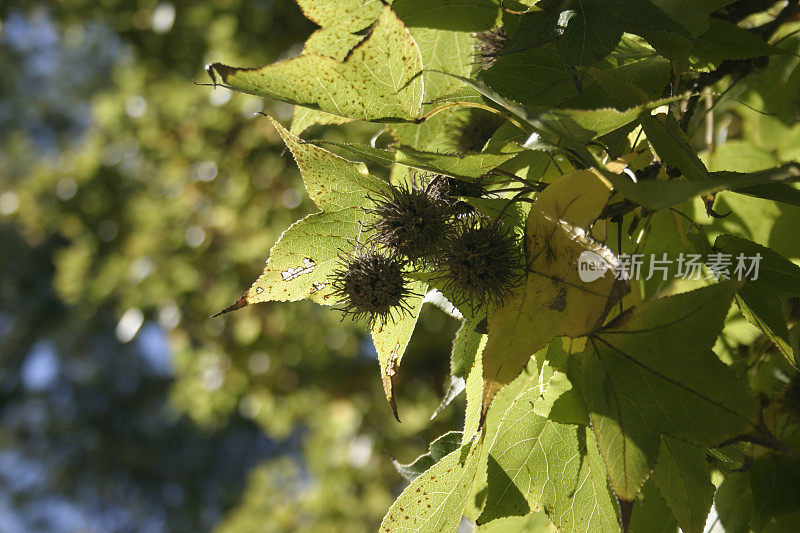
(332,183)
(551,299)
(761,300)
(376,82)
(535,463)
(724,40)
(468,166)
(347,15)
(591,32)
(434,502)
(443,31)
(658,194)
(303,259)
(652,373)
(391,339)
(684,480)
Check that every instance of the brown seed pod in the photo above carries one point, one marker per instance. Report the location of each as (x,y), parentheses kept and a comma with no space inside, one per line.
(412,222)
(449,189)
(371,285)
(490,44)
(482,263)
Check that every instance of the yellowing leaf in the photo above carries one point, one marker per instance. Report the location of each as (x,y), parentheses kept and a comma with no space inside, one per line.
(373,83)
(435,501)
(552,299)
(333,183)
(390,342)
(302,260)
(350,15)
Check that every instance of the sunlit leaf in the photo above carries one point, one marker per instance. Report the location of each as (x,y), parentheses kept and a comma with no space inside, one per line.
(391,339)
(651,373)
(444,445)
(552,299)
(375,82)
(435,501)
(535,463)
(332,183)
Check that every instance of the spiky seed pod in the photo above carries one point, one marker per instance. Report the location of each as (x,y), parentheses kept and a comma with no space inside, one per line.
(472,134)
(482,263)
(411,222)
(448,188)
(371,285)
(490,44)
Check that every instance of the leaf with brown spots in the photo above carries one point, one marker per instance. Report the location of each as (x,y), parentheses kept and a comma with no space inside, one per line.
(435,501)
(375,82)
(302,260)
(391,339)
(333,183)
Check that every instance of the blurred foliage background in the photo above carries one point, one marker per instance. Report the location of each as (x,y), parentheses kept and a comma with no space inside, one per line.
(135,204)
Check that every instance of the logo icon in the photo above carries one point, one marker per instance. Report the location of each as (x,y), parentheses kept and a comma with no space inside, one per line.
(591,266)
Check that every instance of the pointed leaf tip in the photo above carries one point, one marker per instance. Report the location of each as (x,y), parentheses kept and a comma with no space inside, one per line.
(241,302)
(625,510)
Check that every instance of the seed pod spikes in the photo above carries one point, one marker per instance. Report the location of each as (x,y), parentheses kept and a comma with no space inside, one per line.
(482,262)
(372,285)
(411,222)
(490,44)
(449,189)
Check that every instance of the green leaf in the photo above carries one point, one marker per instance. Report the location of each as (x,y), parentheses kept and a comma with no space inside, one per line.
(364,152)
(692,14)
(635,63)
(683,478)
(346,15)
(390,342)
(474,392)
(651,373)
(536,463)
(442,30)
(672,146)
(332,183)
(444,445)
(588,124)
(467,166)
(454,15)
(590,32)
(534,77)
(462,357)
(303,118)
(530,523)
(776,492)
(376,82)
(333,42)
(303,259)
(552,300)
(724,40)
(761,300)
(434,502)
(560,402)
(650,513)
(658,194)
